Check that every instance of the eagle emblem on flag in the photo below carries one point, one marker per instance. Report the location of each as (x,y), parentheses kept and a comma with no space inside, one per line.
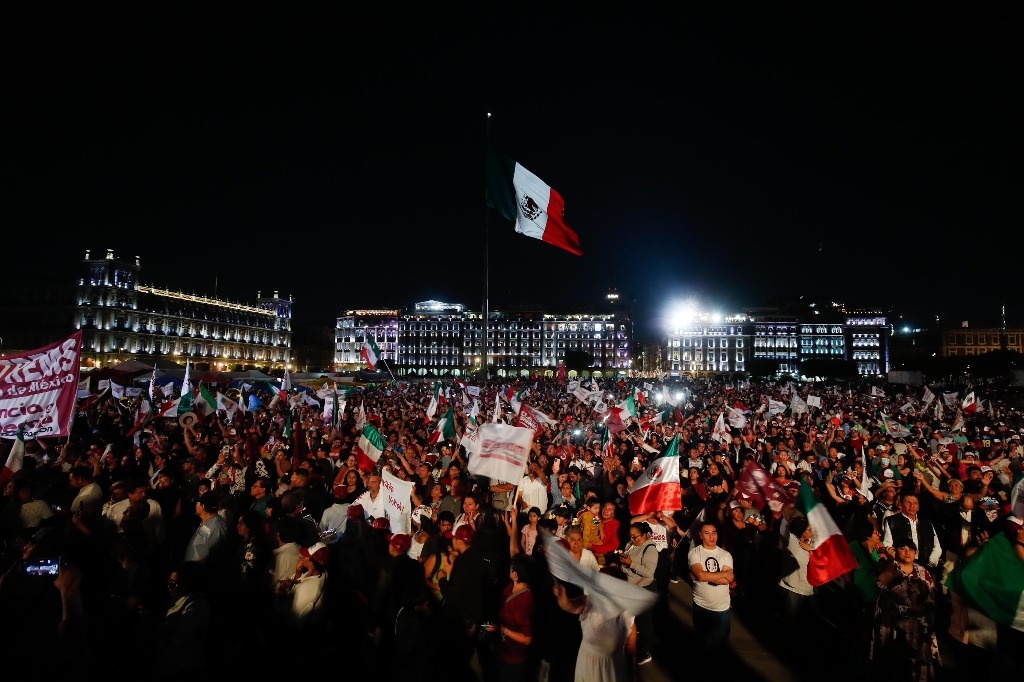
(529,207)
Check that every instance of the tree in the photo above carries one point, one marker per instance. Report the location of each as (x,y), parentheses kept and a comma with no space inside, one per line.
(763,368)
(578,360)
(828,368)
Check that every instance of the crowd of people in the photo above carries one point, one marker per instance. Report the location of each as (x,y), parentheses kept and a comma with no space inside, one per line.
(261,540)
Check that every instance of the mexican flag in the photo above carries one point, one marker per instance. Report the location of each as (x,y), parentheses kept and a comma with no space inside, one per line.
(370,448)
(831,555)
(169,409)
(992,580)
(894,428)
(658,488)
(535,208)
(206,402)
(435,400)
(370,352)
(970,403)
(14,460)
(445,428)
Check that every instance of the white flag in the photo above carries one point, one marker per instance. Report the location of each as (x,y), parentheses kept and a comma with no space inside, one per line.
(398,503)
(928,396)
(611,596)
(503,451)
(737,419)
(720,431)
(186,383)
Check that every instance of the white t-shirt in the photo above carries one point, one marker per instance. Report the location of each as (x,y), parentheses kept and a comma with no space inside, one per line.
(659,534)
(373,509)
(706,595)
(535,493)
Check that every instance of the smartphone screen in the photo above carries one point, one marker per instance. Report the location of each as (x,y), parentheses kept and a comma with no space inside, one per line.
(42,566)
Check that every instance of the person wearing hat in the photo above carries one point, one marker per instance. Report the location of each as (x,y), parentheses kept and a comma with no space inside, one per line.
(464,578)
(305,588)
(904,643)
(399,582)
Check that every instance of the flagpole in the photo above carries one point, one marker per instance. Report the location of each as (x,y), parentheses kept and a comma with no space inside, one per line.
(487,254)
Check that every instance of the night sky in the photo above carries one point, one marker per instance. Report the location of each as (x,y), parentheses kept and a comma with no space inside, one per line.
(870,155)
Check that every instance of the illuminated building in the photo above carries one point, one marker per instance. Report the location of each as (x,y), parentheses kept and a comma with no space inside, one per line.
(123,319)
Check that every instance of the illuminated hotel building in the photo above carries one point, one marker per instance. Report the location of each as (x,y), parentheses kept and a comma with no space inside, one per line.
(703,343)
(121,319)
(446,338)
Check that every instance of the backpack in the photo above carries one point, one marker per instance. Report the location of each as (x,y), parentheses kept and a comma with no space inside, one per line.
(662,571)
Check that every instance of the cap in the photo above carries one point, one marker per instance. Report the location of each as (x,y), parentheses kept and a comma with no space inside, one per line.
(400,542)
(421,512)
(232,432)
(465,533)
(381,524)
(734,504)
(319,553)
(355,511)
(1015,521)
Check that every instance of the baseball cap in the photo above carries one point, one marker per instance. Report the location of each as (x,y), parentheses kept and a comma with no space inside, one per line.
(355,511)
(381,524)
(400,542)
(465,533)
(319,553)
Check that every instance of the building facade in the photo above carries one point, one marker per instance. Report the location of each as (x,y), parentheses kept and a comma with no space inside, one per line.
(968,341)
(123,319)
(703,343)
(435,337)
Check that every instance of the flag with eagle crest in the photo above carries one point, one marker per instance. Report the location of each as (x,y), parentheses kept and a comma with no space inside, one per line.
(658,488)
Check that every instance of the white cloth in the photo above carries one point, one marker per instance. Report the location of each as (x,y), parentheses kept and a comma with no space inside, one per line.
(602,657)
(706,595)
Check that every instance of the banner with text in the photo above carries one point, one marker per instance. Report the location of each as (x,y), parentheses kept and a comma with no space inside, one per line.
(502,452)
(38,389)
(398,502)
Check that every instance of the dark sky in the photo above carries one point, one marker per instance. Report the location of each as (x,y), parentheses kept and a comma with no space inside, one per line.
(870,154)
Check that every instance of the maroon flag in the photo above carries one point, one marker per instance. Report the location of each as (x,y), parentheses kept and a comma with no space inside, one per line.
(758,485)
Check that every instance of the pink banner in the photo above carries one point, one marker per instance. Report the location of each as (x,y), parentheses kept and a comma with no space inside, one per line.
(38,389)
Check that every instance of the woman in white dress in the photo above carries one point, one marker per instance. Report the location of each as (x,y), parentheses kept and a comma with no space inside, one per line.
(608,641)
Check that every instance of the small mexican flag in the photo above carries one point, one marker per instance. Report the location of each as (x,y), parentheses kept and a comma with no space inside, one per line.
(658,488)
(370,352)
(831,555)
(992,580)
(445,428)
(370,447)
(15,458)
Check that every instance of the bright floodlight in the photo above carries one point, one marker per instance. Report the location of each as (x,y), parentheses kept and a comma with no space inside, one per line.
(683,315)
